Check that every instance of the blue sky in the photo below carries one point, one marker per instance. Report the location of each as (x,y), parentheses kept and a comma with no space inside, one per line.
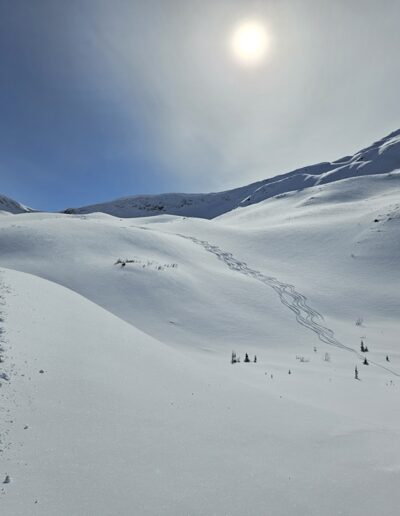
(102,99)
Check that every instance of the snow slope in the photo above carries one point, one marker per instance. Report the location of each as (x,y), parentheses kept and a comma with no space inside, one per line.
(118,423)
(379,158)
(8,205)
(138,409)
(205,206)
(122,422)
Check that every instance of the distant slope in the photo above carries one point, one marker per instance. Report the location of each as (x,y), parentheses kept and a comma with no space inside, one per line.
(10,206)
(205,206)
(379,158)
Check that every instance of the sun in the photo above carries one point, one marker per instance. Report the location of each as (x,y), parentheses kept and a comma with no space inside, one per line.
(250,42)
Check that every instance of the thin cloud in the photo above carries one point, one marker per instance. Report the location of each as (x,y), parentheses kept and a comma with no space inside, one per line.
(212,122)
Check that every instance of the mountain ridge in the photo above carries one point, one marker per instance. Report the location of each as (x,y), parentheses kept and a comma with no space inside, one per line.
(381,157)
(8,205)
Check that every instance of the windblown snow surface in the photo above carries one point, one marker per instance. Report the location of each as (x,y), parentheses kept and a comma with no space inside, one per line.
(117,392)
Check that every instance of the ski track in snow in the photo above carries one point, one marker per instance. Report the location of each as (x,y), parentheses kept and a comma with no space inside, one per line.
(289,297)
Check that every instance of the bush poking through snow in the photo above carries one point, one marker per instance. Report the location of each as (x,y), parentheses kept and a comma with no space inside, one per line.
(149,264)
(302,359)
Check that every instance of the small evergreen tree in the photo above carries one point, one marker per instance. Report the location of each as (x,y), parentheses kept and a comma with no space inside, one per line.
(255,358)
(246,358)
(365,361)
(387,358)
(356,373)
(362,347)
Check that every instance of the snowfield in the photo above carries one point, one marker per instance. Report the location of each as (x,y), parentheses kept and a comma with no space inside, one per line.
(117,392)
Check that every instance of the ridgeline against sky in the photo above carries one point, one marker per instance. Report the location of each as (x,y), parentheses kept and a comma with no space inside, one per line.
(104,99)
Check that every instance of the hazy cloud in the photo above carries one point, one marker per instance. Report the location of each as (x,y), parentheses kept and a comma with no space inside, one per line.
(328,85)
(103,98)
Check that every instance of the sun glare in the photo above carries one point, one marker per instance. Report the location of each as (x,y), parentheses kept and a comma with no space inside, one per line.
(250,42)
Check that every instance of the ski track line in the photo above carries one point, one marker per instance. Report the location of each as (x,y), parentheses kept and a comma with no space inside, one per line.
(289,297)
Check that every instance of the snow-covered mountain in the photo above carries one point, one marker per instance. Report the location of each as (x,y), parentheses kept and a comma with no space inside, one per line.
(117,391)
(206,206)
(8,205)
(380,158)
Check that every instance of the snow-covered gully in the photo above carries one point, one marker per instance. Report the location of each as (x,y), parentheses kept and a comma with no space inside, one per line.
(296,302)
